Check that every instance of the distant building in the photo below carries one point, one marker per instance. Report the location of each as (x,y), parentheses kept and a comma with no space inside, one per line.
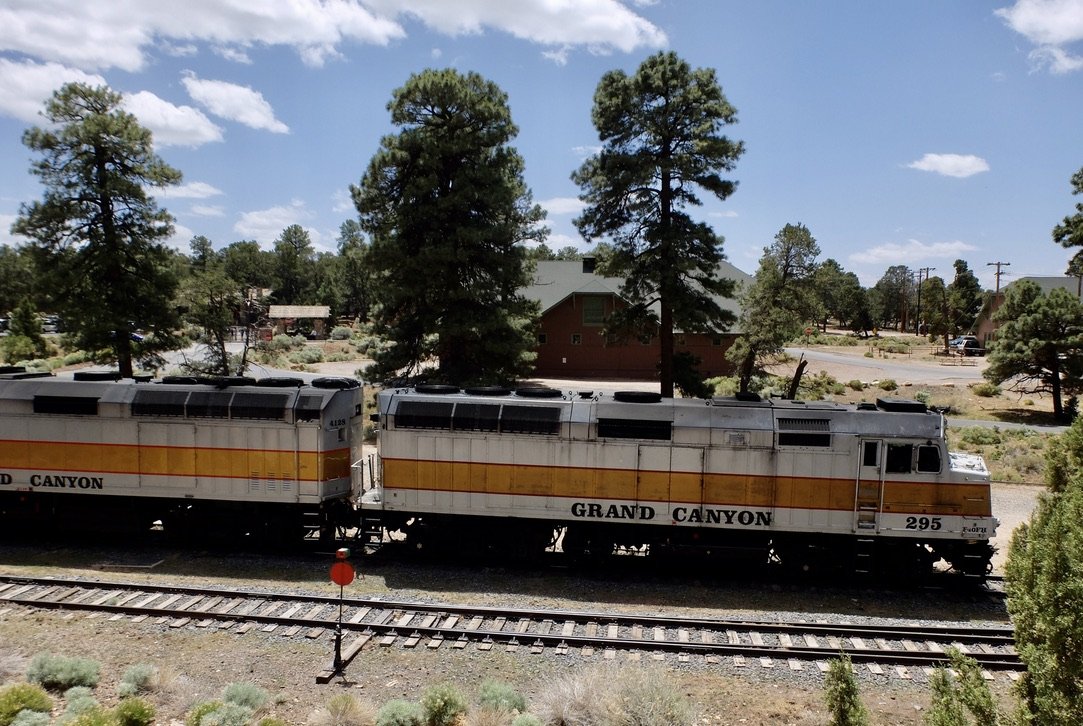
(985,328)
(283,317)
(575,303)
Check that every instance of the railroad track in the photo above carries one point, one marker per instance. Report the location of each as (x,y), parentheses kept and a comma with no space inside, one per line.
(884,649)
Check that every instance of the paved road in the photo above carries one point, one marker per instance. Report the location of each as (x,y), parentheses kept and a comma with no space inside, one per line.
(899,368)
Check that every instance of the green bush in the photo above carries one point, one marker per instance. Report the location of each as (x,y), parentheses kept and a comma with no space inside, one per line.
(342,709)
(856,385)
(923,397)
(134,711)
(980,435)
(527,719)
(246,694)
(442,704)
(138,678)
(306,356)
(400,713)
(59,673)
(272,721)
(841,695)
(195,716)
(226,714)
(341,332)
(500,696)
(22,697)
(96,716)
(31,718)
(77,701)
(985,389)
(888,384)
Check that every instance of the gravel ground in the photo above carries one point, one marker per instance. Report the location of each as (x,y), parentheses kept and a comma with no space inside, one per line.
(197,664)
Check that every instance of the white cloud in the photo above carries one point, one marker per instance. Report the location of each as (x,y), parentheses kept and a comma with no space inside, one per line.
(207,210)
(583,152)
(234,54)
(266,225)
(26,86)
(191,190)
(562,205)
(171,125)
(910,252)
(1056,59)
(122,33)
(1050,25)
(235,103)
(181,238)
(126,33)
(599,25)
(342,201)
(956,165)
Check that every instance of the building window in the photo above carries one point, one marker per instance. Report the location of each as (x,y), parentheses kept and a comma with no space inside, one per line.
(542,339)
(593,310)
(577,339)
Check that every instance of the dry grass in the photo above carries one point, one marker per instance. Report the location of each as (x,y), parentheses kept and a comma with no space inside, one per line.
(609,697)
(342,709)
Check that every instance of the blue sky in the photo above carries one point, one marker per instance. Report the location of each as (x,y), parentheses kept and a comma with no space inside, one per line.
(900,133)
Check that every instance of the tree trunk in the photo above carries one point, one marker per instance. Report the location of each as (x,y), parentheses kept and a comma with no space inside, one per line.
(665,344)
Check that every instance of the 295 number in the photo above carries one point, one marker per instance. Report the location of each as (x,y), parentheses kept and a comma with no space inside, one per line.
(931,523)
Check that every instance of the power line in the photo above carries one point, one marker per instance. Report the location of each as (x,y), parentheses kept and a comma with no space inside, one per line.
(998,265)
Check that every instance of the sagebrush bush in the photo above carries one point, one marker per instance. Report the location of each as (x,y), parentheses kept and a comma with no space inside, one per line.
(341,332)
(980,435)
(527,719)
(442,704)
(226,714)
(138,678)
(59,673)
(400,713)
(985,389)
(856,385)
(888,384)
(79,700)
(31,718)
(96,716)
(22,696)
(498,695)
(647,697)
(305,356)
(246,694)
(342,709)
(586,697)
(134,711)
(195,716)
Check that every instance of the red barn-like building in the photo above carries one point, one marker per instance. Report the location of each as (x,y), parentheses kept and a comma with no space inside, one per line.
(575,303)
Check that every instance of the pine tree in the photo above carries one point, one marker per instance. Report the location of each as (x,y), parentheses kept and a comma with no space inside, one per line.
(96,233)
(448,213)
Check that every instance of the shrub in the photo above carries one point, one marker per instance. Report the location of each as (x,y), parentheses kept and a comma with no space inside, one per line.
(888,384)
(79,700)
(342,709)
(646,696)
(134,711)
(305,356)
(442,704)
(195,716)
(527,719)
(22,697)
(31,718)
(138,678)
(96,716)
(341,332)
(985,389)
(57,672)
(501,696)
(246,694)
(226,714)
(980,435)
(856,385)
(272,721)
(400,713)
(841,696)
(922,396)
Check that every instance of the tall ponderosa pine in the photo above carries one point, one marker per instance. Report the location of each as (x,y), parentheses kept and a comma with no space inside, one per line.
(1039,346)
(447,211)
(965,297)
(661,141)
(1069,233)
(779,303)
(96,232)
(1044,581)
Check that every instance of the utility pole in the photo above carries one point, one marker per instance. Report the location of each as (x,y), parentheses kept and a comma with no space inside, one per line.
(998,265)
(926,271)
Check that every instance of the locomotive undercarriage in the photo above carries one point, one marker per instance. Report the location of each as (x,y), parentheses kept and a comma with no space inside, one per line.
(800,555)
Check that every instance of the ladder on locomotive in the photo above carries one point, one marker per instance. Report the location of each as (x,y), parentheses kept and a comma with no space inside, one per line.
(868,500)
